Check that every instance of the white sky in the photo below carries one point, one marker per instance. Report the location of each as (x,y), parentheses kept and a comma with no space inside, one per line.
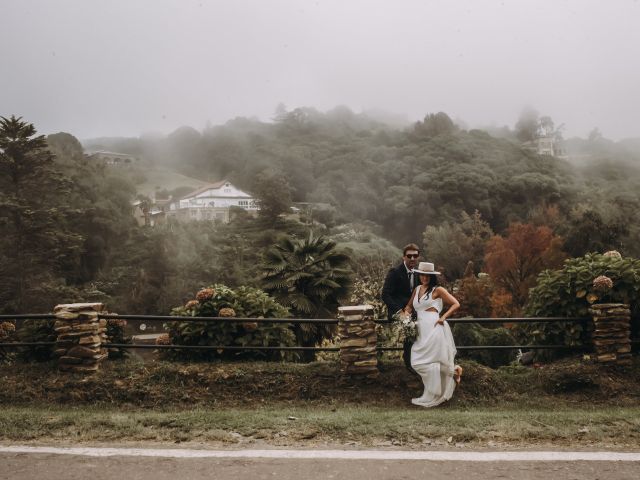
(124,67)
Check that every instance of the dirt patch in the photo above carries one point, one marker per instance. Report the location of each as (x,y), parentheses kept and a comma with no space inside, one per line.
(163,384)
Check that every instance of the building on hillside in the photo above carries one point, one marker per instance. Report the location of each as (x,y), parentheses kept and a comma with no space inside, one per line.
(212,202)
(546,145)
(148,213)
(113,158)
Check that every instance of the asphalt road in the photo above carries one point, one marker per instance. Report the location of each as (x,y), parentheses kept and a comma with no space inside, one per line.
(30,466)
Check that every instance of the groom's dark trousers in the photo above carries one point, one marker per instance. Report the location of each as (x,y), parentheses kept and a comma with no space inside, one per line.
(396,293)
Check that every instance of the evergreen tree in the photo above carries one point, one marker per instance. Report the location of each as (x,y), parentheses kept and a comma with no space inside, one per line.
(273,194)
(36,240)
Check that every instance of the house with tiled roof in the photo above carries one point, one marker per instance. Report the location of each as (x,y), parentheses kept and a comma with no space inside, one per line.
(212,202)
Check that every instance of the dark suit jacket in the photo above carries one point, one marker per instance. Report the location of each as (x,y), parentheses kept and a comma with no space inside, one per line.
(396,290)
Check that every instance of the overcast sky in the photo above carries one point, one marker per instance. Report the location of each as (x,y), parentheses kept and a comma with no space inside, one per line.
(124,67)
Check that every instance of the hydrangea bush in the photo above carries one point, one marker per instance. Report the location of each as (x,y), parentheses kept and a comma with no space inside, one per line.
(222,301)
(569,291)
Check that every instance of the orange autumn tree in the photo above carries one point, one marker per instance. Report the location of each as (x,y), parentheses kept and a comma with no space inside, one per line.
(515,260)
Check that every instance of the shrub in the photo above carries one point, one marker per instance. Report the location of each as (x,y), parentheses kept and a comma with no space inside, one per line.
(474,294)
(222,301)
(37,331)
(568,292)
(116,334)
(476,334)
(7,335)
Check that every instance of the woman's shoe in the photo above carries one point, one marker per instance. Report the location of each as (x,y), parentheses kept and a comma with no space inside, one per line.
(457,375)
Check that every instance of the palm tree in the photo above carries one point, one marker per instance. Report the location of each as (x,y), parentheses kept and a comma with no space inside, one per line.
(311,278)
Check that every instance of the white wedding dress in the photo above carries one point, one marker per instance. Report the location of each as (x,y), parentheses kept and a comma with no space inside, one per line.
(433,353)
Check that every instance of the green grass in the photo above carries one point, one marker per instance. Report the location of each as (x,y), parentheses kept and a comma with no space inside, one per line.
(283,425)
(158,178)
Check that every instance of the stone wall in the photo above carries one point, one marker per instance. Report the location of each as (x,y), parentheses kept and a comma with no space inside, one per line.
(612,332)
(358,341)
(80,335)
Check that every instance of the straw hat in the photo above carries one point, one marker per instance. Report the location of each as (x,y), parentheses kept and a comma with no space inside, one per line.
(425,268)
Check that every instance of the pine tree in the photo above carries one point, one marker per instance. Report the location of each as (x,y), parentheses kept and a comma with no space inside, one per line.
(36,241)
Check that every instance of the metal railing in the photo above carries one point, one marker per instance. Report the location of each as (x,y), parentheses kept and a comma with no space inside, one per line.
(324,321)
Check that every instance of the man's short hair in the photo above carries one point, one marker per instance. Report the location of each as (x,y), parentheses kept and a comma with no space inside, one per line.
(410,246)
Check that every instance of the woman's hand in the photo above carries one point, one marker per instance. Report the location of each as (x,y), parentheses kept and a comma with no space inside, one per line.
(441,321)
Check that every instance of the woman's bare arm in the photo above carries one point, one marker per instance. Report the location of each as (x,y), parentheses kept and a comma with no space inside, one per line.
(409,307)
(447,299)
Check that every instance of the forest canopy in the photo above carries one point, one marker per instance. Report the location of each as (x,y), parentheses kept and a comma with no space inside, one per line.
(433,182)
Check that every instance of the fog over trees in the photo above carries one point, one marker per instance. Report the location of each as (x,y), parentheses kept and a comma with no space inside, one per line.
(462,126)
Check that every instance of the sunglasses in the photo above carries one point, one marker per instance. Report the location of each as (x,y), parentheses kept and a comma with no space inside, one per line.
(412,255)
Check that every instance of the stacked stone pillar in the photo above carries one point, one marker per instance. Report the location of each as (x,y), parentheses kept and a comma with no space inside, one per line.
(612,332)
(80,337)
(358,341)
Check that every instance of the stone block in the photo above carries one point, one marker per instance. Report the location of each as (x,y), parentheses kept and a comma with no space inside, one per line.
(65,315)
(607,357)
(90,340)
(78,307)
(83,352)
(353,342)
(367,363)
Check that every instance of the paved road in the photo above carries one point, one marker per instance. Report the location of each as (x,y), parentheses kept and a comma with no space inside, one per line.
(29,466)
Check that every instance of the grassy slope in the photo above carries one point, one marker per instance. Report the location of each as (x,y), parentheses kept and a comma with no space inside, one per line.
(158,178)
(569,402)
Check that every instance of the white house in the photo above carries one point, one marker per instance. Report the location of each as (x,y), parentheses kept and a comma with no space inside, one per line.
(212,202)
(546,145)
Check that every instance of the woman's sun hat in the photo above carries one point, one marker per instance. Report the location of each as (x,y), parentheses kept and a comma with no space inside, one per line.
(426,268)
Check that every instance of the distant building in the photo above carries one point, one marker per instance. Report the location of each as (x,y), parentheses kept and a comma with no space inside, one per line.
(148,213)
(212,202)
(113,158)
(546,145)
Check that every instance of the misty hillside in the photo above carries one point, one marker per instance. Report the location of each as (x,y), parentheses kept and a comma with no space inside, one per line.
(400,179)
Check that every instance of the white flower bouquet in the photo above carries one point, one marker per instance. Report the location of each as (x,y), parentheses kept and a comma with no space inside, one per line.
(408,330)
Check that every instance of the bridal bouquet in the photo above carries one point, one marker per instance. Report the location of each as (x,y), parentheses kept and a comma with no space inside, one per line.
(407,326)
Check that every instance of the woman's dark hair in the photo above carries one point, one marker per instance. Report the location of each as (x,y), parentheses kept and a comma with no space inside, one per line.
(433,283)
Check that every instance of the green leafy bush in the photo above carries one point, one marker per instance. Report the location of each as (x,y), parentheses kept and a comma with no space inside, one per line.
(33,331)
(569,291)
(220,300)
(476,334)
(116,334)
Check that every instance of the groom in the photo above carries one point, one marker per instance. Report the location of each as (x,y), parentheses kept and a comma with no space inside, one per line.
(397,289)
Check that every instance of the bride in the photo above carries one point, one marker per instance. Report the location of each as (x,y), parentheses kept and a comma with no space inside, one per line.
(432,354)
